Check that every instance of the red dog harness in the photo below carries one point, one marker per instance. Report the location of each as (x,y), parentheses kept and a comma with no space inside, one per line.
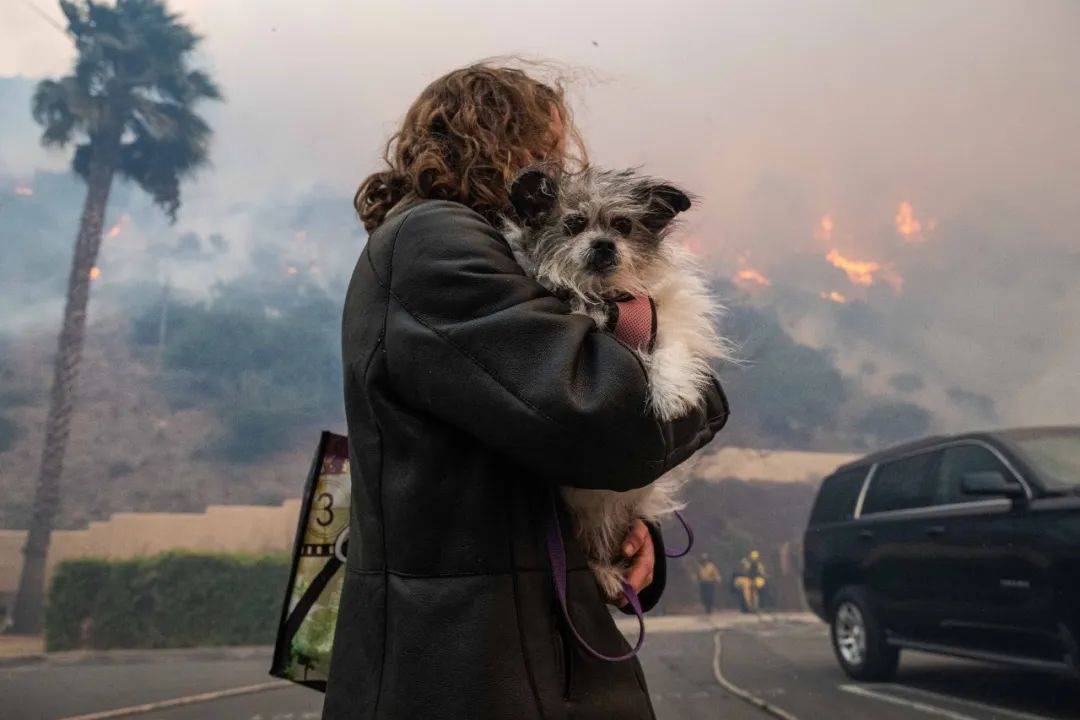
(633,320)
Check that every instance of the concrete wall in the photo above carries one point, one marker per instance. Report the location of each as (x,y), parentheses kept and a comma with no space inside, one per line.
(766,465)
(258,528)
(221,528)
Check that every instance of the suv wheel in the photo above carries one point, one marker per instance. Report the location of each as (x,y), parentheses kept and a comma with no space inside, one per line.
(858,638)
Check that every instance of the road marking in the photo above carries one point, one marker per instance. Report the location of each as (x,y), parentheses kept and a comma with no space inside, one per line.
(738,692)
(911,704)
(663,624)
(180,701)
(1019,714)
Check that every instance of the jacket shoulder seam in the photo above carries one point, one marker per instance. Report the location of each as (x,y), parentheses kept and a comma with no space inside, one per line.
(420,318)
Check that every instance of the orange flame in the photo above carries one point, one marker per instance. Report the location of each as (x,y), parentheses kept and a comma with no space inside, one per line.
(863,272)
(749,275)
(114,231)
(24,190)
(907,224)
(291,270)
(834,296)
(860,272)
(95,272)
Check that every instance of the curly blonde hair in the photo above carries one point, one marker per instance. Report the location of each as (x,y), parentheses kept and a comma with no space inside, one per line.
(467,136)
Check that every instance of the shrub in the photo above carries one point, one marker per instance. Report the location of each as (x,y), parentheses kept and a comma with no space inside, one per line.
(9,433)
(176,599)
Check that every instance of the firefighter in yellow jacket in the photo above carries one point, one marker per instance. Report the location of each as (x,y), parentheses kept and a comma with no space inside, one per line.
(750,581)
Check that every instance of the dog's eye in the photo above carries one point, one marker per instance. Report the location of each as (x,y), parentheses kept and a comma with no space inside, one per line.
(622,225)
(573,224)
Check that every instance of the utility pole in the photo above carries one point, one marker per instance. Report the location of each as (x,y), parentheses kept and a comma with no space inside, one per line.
(163,323)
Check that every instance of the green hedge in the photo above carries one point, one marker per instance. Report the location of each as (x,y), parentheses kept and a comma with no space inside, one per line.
(170,600)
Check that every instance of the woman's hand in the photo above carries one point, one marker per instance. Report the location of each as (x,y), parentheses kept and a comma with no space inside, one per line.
(638,546)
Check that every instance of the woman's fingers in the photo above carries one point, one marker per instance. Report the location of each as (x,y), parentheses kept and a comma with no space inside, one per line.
(641,569)
(635,539)
(638,546)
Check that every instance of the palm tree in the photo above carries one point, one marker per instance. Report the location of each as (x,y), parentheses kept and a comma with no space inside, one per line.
(128,108)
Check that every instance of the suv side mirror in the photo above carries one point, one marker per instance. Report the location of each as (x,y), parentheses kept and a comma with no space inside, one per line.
(990,482)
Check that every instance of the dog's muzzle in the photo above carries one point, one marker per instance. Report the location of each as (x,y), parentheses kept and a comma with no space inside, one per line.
(603,256)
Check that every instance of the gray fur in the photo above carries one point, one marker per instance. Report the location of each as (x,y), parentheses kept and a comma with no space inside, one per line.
(634,213)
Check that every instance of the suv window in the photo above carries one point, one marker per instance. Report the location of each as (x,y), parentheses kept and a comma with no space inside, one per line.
(901,484)
(837,497)
(958,461)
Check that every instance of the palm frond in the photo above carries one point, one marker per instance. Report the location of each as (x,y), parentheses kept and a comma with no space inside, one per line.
(157,160)
(201,86)
(132,88)
(51,108)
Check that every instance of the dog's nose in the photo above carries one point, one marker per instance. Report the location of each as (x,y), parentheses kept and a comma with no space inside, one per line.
(602,255)
(603,246)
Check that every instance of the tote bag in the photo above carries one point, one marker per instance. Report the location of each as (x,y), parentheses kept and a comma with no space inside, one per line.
(305,637)
(309,612)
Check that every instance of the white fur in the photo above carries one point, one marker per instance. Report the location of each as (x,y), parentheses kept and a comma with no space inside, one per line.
(678,370)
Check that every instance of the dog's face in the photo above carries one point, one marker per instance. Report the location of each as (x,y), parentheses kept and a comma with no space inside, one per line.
(594,233)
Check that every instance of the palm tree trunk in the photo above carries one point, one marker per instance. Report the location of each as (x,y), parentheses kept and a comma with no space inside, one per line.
(29,600)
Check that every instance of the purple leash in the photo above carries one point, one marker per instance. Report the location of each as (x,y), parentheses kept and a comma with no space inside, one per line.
(557,556)
(689,538)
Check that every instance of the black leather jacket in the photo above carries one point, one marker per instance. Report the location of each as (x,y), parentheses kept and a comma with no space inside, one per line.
(470,391)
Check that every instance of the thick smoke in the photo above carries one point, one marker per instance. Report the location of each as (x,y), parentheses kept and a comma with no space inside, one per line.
(777,115)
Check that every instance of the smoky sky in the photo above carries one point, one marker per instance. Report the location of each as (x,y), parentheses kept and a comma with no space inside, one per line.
(933,101)
(776,114)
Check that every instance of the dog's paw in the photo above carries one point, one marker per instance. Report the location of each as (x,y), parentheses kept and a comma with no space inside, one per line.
(673,396)
(609,578)
(669,405)
(676,379)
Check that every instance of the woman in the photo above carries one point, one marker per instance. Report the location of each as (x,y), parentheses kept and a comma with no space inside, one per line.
(470,393)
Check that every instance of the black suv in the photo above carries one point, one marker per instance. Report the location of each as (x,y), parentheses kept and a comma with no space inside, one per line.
(966,545)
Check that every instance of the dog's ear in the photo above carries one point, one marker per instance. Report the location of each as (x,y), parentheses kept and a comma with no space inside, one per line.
(533,196)
(662,202)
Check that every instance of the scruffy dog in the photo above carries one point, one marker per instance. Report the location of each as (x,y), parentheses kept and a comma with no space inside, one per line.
(594,238)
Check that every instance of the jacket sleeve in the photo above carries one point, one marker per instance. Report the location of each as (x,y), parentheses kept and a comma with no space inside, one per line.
(471,340)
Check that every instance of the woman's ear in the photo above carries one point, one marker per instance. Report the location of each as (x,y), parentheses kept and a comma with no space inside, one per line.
(662,203)
(533,196)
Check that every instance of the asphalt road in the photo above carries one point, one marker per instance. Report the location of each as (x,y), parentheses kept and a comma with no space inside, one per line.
(793,668)
(719,668)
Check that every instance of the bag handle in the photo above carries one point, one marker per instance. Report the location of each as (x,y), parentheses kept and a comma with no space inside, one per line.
(307,600)
(557,557)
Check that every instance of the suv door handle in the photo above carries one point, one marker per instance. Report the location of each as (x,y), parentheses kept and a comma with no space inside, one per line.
(935,530)
(866,534)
